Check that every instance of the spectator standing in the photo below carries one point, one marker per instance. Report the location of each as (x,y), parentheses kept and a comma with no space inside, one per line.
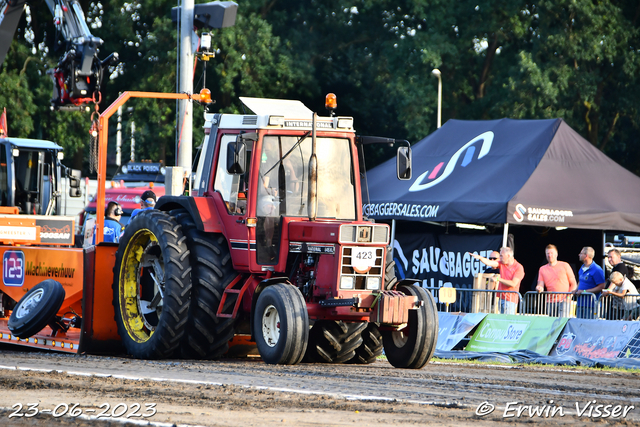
(147,201)
(556,276)
(623,307)
(615,259)
(495,256)
(590,279)
(511,274)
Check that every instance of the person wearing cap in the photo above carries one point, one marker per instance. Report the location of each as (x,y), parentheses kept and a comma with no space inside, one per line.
(112,227)
(147,201)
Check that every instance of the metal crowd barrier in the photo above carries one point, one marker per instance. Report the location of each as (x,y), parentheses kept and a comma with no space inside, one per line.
(560,304)
(611,307)
(554,304)
(476,301)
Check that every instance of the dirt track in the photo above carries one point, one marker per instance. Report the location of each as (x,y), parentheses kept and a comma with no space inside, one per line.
(249,392)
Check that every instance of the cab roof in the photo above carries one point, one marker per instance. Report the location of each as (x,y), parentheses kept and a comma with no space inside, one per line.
(36,144)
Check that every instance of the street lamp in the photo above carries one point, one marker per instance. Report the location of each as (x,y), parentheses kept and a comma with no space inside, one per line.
(438,74)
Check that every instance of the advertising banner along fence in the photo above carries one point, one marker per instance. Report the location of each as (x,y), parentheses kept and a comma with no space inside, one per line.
(454,327)
(595,339)
(505,333)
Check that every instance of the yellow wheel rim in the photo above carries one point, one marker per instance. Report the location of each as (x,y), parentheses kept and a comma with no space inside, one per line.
(141,297)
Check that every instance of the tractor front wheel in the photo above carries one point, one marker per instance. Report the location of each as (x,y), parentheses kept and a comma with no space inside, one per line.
(413,346)
(281,325)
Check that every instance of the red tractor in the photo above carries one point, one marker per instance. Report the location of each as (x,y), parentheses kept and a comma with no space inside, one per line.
(272,243)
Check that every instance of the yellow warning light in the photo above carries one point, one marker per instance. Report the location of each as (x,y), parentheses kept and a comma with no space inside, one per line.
(151,185)
(252,222)
(331,102)
(205,96)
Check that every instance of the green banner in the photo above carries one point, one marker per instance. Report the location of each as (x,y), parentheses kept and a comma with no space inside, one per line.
(499,332)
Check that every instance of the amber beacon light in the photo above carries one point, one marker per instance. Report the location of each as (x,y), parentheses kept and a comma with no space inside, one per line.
(331,102)
(205,96)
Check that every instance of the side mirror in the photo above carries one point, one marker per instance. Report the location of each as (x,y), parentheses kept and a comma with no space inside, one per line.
(236,156)
(403,163)
(74,183)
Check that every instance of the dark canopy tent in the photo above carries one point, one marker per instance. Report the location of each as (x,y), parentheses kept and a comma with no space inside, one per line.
(529,172)
(537,173)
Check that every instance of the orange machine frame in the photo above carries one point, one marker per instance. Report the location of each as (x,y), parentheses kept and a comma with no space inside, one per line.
(90,293)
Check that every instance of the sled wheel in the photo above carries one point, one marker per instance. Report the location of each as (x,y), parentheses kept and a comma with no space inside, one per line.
(333,341)
(413,346)
(206,335)
(371,346)
(36,308)
(152,285)
(281,325)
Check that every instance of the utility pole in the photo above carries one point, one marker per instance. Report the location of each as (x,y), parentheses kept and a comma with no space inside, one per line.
(216,14)
(184,146)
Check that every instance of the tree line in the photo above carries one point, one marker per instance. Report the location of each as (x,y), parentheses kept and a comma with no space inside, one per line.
(574,59)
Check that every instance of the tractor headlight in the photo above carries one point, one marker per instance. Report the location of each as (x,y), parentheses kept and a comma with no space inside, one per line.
(373,283)
(346,282)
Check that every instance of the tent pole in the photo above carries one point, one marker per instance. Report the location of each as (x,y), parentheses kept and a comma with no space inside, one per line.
(505,234)
(393,234)
(604,251)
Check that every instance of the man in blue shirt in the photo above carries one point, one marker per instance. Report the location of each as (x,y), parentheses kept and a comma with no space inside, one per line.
(147,201)
(112,227)
(591,279)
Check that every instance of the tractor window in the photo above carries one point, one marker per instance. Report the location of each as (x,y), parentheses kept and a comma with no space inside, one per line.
(284,177)
(27,175)
(233,188)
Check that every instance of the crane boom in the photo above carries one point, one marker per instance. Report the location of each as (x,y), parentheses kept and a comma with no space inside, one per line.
(78,75)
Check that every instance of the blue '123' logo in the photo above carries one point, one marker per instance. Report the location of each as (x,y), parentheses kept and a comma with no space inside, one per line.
(13,268)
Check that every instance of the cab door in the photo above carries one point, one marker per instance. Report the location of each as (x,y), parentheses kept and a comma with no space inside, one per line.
(230,195)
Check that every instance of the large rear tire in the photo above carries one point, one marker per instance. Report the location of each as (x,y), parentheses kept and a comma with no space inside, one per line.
(371,346)
(281,325)
(413,346)
(36,308)
(152,285)
(206,335)
(333,341)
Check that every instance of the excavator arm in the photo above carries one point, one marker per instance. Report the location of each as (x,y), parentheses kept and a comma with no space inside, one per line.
(78,76)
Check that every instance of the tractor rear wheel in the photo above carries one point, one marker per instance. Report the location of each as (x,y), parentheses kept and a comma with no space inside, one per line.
(281,325)
(371,346)
(413,346)
(206,335)
(152,285)
(333,341)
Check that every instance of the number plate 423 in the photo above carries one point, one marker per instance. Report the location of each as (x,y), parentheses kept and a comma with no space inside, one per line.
(362,259)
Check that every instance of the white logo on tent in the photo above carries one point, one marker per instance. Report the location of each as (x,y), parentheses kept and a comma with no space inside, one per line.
(487,140)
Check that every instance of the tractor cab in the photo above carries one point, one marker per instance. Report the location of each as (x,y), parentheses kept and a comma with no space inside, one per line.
(30,175)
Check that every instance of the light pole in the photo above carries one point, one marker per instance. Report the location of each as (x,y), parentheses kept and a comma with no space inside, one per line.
(438,74)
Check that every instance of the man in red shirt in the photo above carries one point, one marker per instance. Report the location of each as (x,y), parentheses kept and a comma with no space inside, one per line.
(556,276)
(511,274)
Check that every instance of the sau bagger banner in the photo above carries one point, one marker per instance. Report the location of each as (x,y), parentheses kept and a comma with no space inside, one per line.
(441,260)
(506,333)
